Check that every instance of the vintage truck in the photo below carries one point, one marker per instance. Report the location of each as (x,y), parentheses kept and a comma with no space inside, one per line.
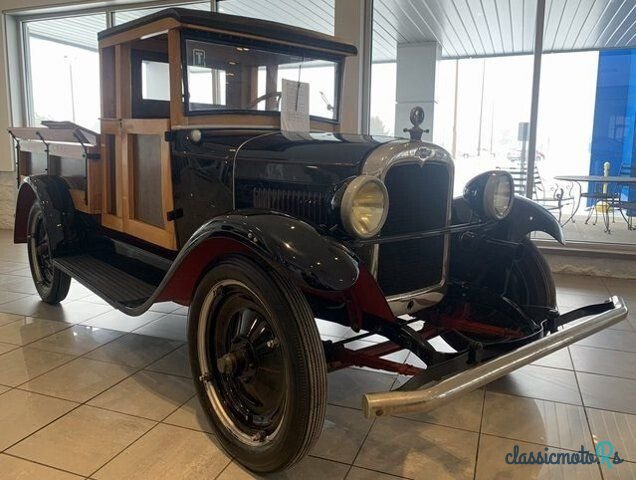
(193,193)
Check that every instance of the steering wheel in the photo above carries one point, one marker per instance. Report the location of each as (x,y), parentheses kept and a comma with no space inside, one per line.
(255,103)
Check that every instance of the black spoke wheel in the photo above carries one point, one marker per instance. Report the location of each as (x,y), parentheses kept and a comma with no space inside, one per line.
(51,283)
(530,283)
(258,364)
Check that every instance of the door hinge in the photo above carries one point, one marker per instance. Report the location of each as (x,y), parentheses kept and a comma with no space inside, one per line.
(174,214)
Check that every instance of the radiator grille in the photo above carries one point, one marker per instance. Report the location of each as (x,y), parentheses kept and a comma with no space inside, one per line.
(418,201)
(311,206)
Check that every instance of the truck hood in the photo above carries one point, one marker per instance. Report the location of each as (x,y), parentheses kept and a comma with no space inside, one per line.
(275,152)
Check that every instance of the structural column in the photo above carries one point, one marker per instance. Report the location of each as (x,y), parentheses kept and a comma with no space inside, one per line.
(417,65)
(353,24)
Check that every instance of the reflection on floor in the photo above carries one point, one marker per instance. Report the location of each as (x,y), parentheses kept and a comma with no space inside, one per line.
(88,393)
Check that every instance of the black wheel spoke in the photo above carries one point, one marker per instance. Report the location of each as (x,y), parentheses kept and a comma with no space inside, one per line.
(252,385)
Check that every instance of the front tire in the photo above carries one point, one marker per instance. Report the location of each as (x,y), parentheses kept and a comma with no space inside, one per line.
(51,283)
(258,364)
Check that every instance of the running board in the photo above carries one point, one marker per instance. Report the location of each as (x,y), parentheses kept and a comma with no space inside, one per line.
(114,285)
(424,400)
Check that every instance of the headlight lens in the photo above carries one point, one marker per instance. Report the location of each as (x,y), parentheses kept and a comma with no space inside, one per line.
(502,196)
(491,194)
(364,207)
(498,195)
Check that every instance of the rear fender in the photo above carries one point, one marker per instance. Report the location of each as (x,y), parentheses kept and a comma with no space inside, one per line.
(281,242)
(56,203)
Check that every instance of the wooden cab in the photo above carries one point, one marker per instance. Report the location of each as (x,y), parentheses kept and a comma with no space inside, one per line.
(173,70)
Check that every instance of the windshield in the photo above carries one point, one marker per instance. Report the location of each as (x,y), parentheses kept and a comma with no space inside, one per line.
(230,77)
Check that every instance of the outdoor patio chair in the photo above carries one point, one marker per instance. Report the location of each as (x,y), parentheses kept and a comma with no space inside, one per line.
(626,208)
(554,197)
(608,195)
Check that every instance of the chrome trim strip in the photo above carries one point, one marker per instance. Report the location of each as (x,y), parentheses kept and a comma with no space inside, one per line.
(378,163)
(387,403)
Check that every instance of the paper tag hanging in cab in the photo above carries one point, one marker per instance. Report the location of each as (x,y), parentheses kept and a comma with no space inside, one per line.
(294,116)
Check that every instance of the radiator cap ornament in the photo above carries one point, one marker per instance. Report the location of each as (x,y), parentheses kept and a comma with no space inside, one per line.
(416,117)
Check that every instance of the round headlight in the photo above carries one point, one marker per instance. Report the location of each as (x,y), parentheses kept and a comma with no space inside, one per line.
(364,207)
(498,195)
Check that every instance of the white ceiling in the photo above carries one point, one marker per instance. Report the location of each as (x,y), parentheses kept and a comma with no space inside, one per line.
(464,28)
(468,28)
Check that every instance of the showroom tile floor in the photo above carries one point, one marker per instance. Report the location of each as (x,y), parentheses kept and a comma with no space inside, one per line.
(86,392)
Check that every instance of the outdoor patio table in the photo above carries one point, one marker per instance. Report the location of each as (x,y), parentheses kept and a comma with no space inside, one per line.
(617,180)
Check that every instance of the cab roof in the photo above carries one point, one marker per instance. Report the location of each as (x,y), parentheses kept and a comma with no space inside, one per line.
(239,26)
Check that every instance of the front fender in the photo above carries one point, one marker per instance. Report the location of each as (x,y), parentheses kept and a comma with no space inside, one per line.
(528,216)
(285,243)
(57,208)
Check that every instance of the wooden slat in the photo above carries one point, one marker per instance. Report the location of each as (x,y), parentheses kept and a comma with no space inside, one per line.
(123,82)
(247,121)
(53,134)
(67,150)
(158,27)
(107,59)
(176,89)
(164,237)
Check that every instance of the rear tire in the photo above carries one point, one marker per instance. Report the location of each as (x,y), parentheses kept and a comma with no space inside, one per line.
(51,283)
(530,283)
(258,364)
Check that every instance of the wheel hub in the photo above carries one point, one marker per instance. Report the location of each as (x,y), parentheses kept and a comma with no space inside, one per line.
(248,369)
(239,361)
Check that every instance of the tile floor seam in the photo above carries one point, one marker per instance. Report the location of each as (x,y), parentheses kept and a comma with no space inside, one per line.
(230,458)
(12,300)
(545,444)
(128,377)
(587,419)
(226,467)
(46,395)
(351,466)
(141,368)
(366,436)
(533,398)
(13,455)
(587,372)
(39,429)
(603,348)
(564,403)
(21,385)
(481,423)
(378,471)
(70,325)
(123,449)
(116,310)
(429,422)
(69,302)
(501,437)
(44,373)
(136,415)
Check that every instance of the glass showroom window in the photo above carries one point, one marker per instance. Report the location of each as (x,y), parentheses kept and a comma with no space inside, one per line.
(317,15)
(474,107)
(63,65)
(63,69)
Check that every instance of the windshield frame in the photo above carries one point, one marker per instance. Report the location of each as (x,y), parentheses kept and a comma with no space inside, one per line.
(238,41)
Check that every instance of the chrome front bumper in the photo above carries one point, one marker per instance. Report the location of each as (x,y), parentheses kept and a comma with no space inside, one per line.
(424,400)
